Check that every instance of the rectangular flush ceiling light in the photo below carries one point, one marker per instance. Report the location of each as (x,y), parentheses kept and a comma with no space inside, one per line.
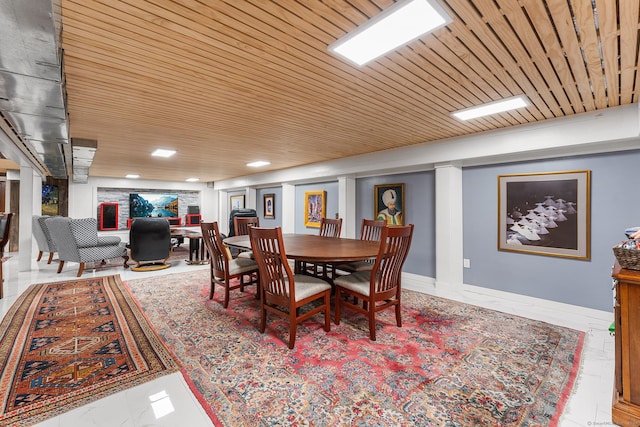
(161,152)
(396,26)
(492,108)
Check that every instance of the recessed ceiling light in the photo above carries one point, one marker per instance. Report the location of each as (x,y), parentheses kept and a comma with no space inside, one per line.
(492,108)
(163,153)
(258,164)
(193,179)
(401,23)
(132,176)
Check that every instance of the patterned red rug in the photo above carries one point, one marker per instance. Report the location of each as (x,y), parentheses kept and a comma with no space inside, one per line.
(450,364)
(66,344)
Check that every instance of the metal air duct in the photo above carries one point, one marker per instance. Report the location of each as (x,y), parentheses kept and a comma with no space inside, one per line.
(32,91)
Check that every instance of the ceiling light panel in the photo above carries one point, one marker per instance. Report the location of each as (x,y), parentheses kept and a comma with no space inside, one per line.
(492,108)
(258,164)
(398,25)
(160,152)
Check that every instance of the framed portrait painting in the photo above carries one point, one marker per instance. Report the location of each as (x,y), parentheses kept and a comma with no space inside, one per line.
(237,202)
(269,206)
(547,213)
(315,206)
(388,202)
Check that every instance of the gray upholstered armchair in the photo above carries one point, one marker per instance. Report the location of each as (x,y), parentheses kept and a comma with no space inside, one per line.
(43,237)
(77,240)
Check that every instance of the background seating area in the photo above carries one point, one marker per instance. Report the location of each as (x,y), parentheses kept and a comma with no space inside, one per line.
(77,240)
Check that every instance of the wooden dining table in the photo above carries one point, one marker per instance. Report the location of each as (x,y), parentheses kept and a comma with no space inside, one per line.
(317,249)
(198,254)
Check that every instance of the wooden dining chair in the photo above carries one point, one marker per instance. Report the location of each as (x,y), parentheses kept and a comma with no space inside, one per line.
(328,228)
(281,292)
(241,226)
(379,288)
(371,229)
(242,223)
(223,268)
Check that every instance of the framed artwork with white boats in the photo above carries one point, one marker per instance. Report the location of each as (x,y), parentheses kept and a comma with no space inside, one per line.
(545,213)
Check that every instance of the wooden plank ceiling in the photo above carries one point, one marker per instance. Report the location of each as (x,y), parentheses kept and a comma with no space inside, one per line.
(225,82)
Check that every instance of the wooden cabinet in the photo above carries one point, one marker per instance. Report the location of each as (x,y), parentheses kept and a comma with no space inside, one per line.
(626,397)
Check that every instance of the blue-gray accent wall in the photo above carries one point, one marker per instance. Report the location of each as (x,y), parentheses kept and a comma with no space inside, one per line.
(332,204)
(277,194)
(419,210)
(615,205)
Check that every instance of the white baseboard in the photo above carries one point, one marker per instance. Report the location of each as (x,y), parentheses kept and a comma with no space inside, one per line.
(569,315)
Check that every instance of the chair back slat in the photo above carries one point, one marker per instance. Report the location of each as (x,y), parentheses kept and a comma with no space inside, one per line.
(276,277)
(371,229)
(213,242)
(242,224)
(330,227)
(394,247)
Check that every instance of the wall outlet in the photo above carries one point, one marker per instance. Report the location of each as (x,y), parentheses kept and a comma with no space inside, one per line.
(466,263)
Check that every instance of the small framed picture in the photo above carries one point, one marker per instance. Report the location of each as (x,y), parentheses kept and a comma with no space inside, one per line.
(237,202)
(389,203)
(269,206)
(315,205)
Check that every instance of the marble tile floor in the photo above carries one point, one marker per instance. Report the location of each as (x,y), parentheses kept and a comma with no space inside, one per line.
(168,402)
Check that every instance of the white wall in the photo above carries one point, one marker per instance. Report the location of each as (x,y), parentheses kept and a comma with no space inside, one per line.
(83,198)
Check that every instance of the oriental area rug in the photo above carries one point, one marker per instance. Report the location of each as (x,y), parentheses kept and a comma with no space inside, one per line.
(66,344)
(451,364)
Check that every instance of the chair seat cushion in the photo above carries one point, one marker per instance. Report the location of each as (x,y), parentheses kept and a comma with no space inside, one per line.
(96,253)
(241,265)
(307,286)
(246,255)
(355,266)
(108,240)
(357,282)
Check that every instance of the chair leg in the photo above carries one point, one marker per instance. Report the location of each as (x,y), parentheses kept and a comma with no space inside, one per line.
(50,258)
(39,256)
(327,311)
(213,288)
(126,260)
(225,303)
(80,269)
(263,317)
(293,328)
(337,304)
(398,316)
(60,266)
(372,323)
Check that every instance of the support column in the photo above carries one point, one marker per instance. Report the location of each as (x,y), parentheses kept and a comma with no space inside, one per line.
(347,206)
(223,214)
(30,188)
(449,268)
(250,198)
